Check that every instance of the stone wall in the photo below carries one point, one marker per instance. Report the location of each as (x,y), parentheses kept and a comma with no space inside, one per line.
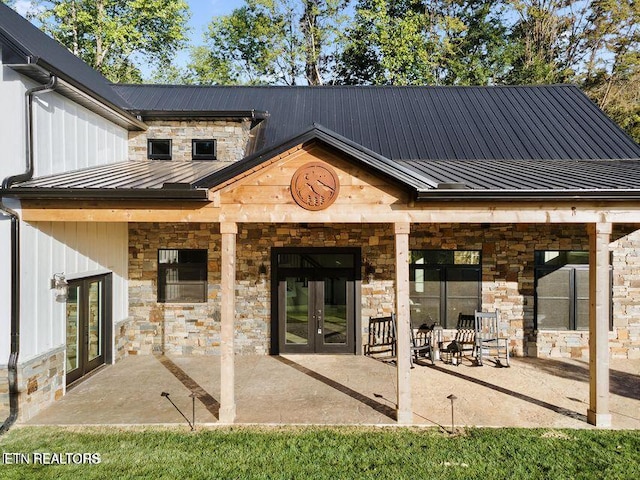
(4,392)
(171,328)
(231,138)
(507,270)
(624,340)
(41,381)
(507,282)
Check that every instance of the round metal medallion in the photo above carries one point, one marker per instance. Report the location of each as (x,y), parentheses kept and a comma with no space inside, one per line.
(315,186)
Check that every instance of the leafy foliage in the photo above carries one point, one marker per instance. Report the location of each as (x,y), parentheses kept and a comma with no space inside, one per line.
(110,34)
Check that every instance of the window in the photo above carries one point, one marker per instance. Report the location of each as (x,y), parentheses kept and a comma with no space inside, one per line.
(182,276)
(203,149)
(158,149)
(443,284)
(562,290)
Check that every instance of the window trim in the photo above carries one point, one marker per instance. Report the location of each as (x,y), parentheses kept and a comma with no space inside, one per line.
(159,156)
(573,300)
(206,156)
(161,293)
(443,269)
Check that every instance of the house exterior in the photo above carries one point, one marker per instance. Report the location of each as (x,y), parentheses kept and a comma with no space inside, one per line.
(264,220)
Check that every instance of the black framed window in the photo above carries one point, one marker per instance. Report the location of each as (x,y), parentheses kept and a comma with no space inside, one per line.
(182,276)
(443,284)
(158,149)
(203,149)
(562,289)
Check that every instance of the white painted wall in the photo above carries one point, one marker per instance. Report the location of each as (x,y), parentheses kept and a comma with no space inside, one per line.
(78,250)
(5,289)
(67,135)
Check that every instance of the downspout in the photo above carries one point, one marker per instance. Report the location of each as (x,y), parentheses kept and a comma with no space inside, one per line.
(12,366)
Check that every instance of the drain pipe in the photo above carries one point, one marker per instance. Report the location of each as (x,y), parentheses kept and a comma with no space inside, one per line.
(12,365)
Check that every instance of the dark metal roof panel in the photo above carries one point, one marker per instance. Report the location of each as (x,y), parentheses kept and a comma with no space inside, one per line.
(418,123)
(141,175)
(28,41)
(519,174)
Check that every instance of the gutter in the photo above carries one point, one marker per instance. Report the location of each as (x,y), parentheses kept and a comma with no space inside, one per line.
(12,365)
(254,115)
(445,194)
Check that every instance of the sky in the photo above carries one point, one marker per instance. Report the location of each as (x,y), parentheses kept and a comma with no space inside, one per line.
(202,11)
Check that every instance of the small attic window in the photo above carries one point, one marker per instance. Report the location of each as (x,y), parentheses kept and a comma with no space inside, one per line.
(158,149)
(203,149)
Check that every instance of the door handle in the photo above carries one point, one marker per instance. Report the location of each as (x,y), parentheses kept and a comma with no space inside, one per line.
(318,326)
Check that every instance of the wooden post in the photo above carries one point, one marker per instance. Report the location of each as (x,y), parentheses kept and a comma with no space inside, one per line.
(599,308)
(228,233)
(403,350)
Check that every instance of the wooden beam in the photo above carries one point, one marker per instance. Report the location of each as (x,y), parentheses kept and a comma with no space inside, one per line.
(599,310)
(403,323)
(228,233)
(357,213)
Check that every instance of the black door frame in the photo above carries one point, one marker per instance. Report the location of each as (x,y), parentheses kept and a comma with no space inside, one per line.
(353,295)
(84,365)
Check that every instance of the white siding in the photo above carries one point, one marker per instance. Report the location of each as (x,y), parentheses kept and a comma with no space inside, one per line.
(67,135)
(78,250)
(5,289)
(70,137)
(12,156)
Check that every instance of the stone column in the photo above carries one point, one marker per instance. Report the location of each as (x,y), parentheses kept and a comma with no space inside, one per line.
(599,308)
(228,233)
(403,351)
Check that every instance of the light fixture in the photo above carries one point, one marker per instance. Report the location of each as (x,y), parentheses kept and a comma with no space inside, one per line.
(262,275)
(60,287)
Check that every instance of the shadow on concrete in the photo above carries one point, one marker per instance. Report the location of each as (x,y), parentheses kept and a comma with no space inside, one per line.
(620,383)
(202,395)
(377,406)
(541,403)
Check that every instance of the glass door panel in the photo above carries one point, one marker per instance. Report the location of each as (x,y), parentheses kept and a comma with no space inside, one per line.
(86,326)
(73,333)
(335,321)
(297,311)
(94,320)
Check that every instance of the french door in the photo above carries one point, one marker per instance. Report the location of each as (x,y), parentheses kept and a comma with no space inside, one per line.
(87,310)
(316,302)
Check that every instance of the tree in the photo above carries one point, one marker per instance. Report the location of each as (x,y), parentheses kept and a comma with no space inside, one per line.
(270,42)
(115,36)
(417,42)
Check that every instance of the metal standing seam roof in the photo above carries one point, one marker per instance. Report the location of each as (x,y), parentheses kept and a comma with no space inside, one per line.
(417,123)
(31,52)
(144,178)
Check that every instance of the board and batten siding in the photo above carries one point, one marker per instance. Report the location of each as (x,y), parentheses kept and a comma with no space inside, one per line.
(67,135)
(79,250)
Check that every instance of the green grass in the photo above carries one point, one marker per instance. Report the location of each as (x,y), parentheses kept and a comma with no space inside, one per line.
(331,453)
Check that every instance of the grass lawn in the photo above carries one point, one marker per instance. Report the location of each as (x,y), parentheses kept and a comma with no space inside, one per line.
(325,452)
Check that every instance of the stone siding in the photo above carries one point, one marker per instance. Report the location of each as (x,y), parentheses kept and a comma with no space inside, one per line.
(171,328)
(4,392)
(507,282)
(41,382)
(624,340)
(231,138)
(507,269)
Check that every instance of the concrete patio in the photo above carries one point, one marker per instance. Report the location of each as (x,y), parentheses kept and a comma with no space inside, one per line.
(332,389)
